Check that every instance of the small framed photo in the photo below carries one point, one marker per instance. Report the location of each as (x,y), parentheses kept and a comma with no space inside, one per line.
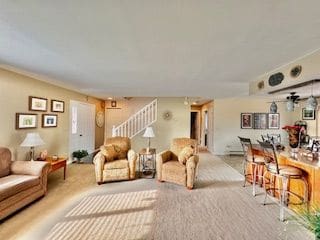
(113,103)
(308,114)
(260,121)
(246,120)
(38,104)
(26,120)
(49,120)
(57,106)
(273,121)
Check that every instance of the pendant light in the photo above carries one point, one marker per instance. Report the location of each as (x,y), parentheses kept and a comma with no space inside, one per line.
(290,105)
(311,101)
(273,107)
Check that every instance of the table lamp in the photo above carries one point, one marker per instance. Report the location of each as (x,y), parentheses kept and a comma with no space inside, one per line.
(32,140)
(148,134)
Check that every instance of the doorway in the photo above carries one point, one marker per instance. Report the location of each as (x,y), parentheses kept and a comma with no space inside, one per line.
(195,125)
(82,127)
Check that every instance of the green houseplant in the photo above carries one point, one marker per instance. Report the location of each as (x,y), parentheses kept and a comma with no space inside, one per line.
(311,219)
(77,155)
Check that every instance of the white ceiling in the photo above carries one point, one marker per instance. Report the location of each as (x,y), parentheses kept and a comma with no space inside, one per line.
(156,48)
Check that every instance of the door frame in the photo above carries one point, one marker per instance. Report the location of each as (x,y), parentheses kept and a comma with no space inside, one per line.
(198,123)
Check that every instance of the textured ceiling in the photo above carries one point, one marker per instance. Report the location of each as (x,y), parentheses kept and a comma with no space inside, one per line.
(155,48)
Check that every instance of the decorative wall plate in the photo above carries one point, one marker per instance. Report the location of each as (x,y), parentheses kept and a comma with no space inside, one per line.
(295,71)
(100,119)
(167,115)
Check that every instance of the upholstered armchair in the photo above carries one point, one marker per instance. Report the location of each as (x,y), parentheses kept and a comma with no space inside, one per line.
(179,164)
(115,161)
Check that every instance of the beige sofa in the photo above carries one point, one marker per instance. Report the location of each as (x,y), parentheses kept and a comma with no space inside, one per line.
(21,182)
(171,170)
(121,166)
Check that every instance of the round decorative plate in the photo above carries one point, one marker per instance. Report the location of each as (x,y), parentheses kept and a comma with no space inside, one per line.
(100,119)
(167,115)
(295,71)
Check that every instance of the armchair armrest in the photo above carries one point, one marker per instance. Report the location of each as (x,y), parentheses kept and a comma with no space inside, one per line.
(162,158)
(132,159)
(35,168)
(98,161)
(192,168)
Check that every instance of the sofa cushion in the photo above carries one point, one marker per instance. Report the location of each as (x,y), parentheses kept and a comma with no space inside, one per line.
(5,161)
(174,168)
(109,152)
(185,154)
(117,164)
(13,184)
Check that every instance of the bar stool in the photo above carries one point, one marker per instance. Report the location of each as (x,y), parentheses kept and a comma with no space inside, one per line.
(283,173)
(257,163)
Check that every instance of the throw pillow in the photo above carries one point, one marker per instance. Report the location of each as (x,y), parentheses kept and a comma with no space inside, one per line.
(109,152)
(185,154)
(121,153)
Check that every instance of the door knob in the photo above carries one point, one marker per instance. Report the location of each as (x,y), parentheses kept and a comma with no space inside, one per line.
(80,135)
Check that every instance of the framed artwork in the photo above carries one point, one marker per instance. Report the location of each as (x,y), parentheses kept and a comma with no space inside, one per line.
(49,120)
(308,114)
(38,104)
(273,121)
(57,106)
(260,120)
(113,103)
(246,120)
(26,120)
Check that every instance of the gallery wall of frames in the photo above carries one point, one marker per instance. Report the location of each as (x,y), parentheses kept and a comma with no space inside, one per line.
(49,119)
(260,120)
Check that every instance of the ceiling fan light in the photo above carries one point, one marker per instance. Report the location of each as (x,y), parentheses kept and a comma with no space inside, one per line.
(290,105)
(311,103)
(273,107)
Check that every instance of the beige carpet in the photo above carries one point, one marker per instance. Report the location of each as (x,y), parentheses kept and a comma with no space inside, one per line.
(219,208)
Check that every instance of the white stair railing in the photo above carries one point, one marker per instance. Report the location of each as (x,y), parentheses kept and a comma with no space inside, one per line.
(138,121)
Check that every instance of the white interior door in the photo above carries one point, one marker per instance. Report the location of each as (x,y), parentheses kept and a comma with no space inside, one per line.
(82,126)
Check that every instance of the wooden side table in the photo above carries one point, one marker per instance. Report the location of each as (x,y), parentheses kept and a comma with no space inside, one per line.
(147,162)
(61,162)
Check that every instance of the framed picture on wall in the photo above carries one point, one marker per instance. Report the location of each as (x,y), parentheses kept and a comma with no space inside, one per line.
(308,114)
(260,121)
(246,120)
(57,106)
(273,121)
(37,104)
(49,120)
(26,120)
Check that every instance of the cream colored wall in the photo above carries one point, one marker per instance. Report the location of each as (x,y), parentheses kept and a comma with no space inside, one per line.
(227,121)
(15,90)
(125,108)
(165,130)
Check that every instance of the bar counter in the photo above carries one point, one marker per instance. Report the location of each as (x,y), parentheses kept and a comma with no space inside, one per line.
(311,171)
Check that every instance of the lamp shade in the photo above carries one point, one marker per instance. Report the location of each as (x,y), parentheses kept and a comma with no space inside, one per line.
(149,133)
(32,140)
(290,106)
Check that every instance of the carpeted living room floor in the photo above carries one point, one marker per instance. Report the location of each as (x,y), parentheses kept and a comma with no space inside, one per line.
(218,208)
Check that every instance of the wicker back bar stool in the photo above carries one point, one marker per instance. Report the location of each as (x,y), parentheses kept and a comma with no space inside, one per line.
(283,174)
(257,164)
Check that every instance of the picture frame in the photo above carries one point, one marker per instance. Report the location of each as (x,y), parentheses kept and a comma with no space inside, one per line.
(273,121)
(260,120)
(57,106)
(246,120)
(308,114)
(49,120)
(113,104)
(26,120)
(38,104)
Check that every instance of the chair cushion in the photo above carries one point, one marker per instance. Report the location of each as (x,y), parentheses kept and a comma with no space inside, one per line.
(13,184)
(109,152)
(5,161)
(116,164)
(185,154)
(285,170)
(257,158)
(174,168)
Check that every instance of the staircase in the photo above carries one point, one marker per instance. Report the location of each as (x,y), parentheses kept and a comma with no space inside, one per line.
(137,122)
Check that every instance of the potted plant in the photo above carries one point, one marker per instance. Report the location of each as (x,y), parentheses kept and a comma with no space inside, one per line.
(311,219)
(77,155)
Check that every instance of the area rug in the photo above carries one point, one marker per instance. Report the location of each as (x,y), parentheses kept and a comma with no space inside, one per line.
(218,208)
